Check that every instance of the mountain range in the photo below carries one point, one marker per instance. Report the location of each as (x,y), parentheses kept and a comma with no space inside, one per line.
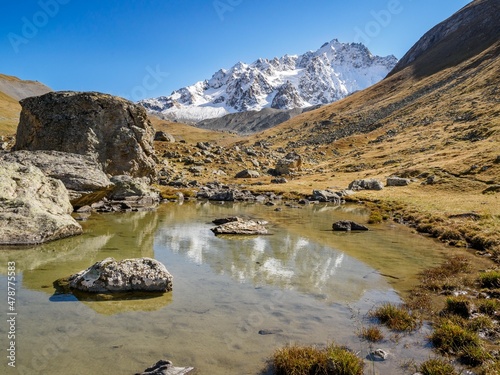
(314,78)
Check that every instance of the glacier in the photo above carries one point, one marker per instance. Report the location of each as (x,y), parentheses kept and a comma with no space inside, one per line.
(318,77)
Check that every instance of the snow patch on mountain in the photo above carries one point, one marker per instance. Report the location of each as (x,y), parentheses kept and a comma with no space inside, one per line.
(317,77)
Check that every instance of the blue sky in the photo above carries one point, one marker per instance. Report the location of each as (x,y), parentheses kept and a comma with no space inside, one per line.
(149,48)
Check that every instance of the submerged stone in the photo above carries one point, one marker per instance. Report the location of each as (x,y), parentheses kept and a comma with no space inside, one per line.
(163,367)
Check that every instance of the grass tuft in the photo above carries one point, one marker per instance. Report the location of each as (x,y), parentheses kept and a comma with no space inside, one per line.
(398,318)
(436,366)
(375,217)
(489,306)
(343,362)
(490,279)
(460,306)
(450,337)
(372,334)
(309,360)
(445,276)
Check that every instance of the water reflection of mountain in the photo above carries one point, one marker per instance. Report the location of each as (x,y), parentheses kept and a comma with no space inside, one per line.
(283,259)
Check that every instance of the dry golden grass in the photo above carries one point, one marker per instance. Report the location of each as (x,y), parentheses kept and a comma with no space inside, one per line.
(9,114)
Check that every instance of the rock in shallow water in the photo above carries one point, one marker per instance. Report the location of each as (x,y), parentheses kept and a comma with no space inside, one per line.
(163,367)
(241,227)
(347,225)
(109,275)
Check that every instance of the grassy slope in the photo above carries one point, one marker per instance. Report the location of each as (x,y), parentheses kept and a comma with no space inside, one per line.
(12,89)
(9,114)
(446,124)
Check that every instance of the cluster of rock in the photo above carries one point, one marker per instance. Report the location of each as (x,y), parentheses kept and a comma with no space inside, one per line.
(82,176)
(184,161)
(215,191)
(109,275)
(239,226)
(74,150)
(336,197)
(126,194)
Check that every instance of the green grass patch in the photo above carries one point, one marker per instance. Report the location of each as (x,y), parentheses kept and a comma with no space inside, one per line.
(372,334)
(490,279)
(450,337)
(375,217)
(489,306)
(309,360)
(480,323)
(398,318)
(460,306)
(436,366)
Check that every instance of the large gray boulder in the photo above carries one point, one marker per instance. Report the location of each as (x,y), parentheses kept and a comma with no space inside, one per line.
(366,184)
(247,173)
(129,187)
(326,196)
(109,275)
(397,181)
(82,176)
(291,162)
(34,208)
(113,131)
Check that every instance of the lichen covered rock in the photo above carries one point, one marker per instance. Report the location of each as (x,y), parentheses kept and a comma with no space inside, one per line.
(109,275)
(112,130)
(34,208)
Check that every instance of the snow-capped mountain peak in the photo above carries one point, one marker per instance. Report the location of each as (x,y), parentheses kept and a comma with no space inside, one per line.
(316,77)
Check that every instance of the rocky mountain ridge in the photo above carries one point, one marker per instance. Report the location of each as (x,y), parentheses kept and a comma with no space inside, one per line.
(20,89)
(316,77)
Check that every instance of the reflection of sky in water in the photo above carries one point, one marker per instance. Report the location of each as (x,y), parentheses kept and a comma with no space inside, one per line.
(283,259)
(301,280)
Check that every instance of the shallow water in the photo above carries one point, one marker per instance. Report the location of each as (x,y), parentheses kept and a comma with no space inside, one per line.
(304,283)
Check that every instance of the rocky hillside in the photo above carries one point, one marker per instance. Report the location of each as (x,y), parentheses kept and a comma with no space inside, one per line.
(13,89)
(249,122)
(316,77)
(440,106)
